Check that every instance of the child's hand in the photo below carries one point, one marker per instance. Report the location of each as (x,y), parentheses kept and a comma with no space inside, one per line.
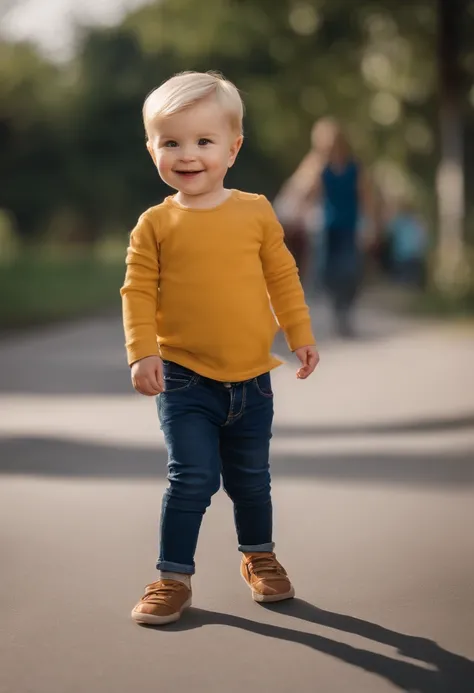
(309,358)
(147,376)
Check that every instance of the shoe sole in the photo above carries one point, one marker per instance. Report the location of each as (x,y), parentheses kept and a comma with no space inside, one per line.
(268,598)
(150,619)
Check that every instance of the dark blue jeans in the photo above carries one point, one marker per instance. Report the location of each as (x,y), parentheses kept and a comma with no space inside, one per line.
(214,429)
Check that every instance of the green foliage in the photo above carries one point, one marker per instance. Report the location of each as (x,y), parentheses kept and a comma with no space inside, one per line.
(9,241)
(43,289)
(32,155)
(437,304)
(73,158)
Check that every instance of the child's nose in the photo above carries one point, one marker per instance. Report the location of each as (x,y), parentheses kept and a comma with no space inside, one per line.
(188,153)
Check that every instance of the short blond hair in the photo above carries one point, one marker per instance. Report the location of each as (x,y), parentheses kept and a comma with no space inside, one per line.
(188,88)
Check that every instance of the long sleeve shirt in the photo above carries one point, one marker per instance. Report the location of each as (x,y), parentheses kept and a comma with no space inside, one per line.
(201,284)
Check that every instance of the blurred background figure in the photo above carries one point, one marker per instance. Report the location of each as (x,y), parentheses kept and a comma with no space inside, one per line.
(299,208)
(294,208)
(329,197)
(343,188)
(407,245)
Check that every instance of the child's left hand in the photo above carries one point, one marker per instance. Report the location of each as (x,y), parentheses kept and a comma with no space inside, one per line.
(309,357)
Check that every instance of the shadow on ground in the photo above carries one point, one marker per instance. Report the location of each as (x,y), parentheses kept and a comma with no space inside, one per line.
(56,457)
(454,423)
(441,671)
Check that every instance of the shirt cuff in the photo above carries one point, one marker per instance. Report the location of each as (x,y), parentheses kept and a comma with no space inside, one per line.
(136,352)
(300,335)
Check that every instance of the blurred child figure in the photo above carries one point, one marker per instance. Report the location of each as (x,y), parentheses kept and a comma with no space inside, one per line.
(408,242)
(202,268)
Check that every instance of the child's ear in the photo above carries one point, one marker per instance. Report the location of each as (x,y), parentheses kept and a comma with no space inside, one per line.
(150,151)
(235,149)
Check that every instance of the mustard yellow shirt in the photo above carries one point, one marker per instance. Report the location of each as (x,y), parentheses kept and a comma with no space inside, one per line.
(199,283)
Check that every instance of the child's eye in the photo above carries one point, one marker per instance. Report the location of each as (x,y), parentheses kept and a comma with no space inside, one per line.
(203,141)
(171,143)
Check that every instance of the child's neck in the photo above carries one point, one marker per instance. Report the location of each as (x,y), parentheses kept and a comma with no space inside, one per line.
(204,201)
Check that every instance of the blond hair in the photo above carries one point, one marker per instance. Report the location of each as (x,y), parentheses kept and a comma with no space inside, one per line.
(188,88)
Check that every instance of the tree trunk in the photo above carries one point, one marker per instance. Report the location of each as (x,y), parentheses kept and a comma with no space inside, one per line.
(450,271)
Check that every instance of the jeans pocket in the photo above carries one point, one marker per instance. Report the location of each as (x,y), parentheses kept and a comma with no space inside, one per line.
(177,377)
(263,383)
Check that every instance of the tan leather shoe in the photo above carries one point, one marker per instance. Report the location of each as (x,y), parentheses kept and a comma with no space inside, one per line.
(163,602)
(266,578)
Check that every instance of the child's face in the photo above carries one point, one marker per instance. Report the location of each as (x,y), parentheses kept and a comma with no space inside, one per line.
(194,148)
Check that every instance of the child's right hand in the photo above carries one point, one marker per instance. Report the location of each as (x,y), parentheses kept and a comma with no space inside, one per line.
(147,376)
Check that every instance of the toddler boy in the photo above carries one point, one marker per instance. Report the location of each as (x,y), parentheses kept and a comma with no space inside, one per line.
(202,268)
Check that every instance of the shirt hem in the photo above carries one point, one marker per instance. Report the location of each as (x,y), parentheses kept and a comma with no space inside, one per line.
(223,377)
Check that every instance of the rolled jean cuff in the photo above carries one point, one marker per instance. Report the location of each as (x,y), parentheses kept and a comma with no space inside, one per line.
(176,567)
(257,548)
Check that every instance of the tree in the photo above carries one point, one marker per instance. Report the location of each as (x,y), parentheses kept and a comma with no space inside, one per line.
(32,160)
(371,64)
(451,267)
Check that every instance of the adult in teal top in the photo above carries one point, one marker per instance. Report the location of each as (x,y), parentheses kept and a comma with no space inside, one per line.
(331,180)
(344,195)
(341,198)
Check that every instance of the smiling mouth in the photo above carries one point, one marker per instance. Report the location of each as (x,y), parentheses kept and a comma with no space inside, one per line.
(188,174)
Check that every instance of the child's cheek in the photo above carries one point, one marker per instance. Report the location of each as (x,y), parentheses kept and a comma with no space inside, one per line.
(164,163)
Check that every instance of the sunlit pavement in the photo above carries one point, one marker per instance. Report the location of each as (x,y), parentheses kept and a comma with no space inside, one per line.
(373,475)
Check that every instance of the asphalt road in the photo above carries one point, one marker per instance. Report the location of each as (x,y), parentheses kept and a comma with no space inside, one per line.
(373,475)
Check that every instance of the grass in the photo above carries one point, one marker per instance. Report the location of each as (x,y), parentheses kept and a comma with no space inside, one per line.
(41,287)
(38,289)
(432,303)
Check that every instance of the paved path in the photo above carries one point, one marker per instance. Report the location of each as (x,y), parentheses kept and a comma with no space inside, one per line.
(373,485)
